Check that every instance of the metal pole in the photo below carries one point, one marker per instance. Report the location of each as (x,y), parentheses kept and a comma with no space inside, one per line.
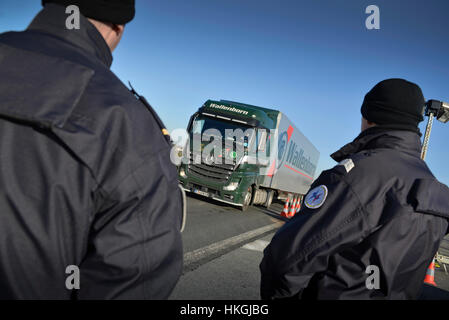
(427,136)
(425,145)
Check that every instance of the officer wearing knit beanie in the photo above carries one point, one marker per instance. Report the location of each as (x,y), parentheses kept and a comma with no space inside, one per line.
(379,206)
(108,16)
(395,103)
(112,11)
(82,187)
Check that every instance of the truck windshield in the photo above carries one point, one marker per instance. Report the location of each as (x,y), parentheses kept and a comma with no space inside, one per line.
(254,140)
(205,126)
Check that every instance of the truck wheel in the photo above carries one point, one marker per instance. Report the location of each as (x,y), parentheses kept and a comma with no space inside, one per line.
(270,196)
(247,199)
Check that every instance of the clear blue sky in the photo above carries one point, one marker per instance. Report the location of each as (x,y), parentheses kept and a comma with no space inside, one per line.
(313,60)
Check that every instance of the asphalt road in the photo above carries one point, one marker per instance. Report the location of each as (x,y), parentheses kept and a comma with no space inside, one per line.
(219,261)
(211,221)
(232,276)
(223,249)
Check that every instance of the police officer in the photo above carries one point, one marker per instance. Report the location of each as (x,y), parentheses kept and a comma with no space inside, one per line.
(89,200)
(371,225)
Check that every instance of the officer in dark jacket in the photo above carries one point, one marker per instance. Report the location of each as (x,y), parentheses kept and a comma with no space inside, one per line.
(371,225)
(86,181)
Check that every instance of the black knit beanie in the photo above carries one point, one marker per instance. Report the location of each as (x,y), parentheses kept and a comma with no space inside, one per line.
(395,102)
(113,11)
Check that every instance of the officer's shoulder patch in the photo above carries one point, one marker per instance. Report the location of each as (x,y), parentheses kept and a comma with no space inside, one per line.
(316,197)
(348,164)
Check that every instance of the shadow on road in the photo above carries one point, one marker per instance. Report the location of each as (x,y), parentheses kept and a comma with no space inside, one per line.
(273,211)
(273,214)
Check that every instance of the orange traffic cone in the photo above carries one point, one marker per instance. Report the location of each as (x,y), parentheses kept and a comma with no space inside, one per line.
(284,212)
(293,208)
(298,205)
(430,275)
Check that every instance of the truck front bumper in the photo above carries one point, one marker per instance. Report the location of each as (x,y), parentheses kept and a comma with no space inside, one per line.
(211,192)
(211,196)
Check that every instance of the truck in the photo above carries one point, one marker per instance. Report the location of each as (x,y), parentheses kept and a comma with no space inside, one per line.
(288,160)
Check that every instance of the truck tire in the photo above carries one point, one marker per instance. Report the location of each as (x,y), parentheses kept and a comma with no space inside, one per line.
(247,200)
(270,196)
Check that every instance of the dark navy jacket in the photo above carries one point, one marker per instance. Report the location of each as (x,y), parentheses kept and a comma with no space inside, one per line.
(85,172)
(387,211)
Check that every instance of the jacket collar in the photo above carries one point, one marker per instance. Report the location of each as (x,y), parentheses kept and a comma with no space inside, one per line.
(52,20)
(381,137)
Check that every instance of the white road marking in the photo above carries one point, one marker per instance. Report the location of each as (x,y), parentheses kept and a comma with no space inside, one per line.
(193,257)
(258,245)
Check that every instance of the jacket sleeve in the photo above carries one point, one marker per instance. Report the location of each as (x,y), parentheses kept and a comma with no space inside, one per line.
(302,247)
(134,247)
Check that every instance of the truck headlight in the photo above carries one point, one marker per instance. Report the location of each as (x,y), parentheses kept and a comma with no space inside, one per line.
(231,187)
(182,173)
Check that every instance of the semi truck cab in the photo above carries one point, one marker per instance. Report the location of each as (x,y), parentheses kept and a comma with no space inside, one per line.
(228,149)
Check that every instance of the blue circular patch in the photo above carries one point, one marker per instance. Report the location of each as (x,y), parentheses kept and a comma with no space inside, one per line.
(315,198)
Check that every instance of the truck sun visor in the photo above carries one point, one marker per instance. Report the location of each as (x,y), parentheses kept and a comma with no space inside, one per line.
(236,118)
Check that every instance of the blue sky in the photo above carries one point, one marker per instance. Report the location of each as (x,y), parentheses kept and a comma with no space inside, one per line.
(313,60)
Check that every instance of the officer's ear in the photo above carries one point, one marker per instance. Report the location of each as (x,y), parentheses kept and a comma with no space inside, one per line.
(112,33)
(117,30)
(366,124)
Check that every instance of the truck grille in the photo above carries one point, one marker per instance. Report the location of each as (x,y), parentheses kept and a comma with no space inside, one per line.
(213,173)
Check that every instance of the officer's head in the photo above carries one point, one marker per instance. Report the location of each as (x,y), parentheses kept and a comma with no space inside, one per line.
(108,16)
(393,102)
